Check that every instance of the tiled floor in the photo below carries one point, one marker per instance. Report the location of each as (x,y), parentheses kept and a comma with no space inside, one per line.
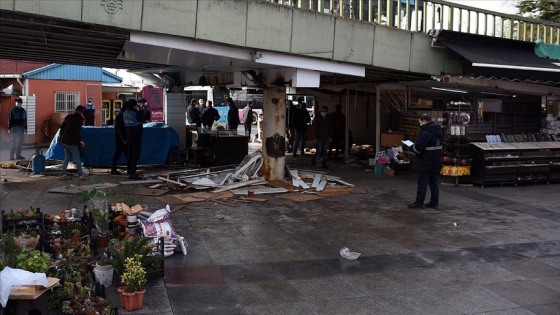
(282,257)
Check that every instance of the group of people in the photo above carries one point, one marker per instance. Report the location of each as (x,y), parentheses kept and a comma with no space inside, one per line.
(205,116)
(128,137)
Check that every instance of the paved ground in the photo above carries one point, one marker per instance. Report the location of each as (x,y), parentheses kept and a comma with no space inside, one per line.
(282,257)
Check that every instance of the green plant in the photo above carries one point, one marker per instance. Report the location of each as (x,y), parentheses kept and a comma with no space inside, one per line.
(34,261)
(8,250)
(135,275)
(99,203)
(129,201)
(131,247)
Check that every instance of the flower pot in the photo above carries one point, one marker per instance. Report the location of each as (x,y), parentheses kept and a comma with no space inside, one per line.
(132,300)
(103,274)
(75,239)
(102,241)
(121,290)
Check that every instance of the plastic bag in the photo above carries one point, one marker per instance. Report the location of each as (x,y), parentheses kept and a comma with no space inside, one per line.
(16,277)
(346,253)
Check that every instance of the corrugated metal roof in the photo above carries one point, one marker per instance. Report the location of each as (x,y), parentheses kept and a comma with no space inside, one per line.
(72,72)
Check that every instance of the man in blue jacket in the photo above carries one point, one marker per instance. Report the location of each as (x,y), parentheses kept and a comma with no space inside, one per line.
(428,148)
(17,126)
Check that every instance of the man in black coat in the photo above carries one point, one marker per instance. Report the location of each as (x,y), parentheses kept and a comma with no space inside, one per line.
(428,148)
(193,113)
(120,140)
(232,115)
(133,120)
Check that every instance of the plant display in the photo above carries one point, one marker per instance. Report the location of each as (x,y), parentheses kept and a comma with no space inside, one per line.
(21,213)
(34,261)
(99,203)
(120,250)
(135,275)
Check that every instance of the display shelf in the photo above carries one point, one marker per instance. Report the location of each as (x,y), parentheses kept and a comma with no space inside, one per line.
(515,163)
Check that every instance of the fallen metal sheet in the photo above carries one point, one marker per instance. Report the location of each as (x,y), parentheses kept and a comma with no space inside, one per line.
(241,184)
(322,185)
(73,189)
(295,182)
(136,182)
(204,182)
(316,181)
(299,197)
(303,184)
(260,191)
(171,181)
(336,180)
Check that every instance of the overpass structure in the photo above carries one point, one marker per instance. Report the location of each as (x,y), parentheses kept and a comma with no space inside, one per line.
(322,46)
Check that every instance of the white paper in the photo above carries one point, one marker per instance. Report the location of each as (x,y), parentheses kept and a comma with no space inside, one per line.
(408,143)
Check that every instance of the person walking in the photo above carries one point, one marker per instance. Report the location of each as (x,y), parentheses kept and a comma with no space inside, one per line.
(120,140)
(338,120)
(233,114)
(322,128)
(209,115)
(89,112)
(300,122)
(133,120)
(17,126)
(71,138)
(428,149)
(248,118)
(193,114)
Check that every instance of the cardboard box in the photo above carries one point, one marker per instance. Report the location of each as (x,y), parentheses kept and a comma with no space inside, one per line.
(31,292)
(391,139)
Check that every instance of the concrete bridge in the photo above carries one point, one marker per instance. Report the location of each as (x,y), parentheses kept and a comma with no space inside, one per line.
(326,45)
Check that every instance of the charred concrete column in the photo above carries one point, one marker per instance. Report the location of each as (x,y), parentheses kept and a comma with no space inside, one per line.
(274,133)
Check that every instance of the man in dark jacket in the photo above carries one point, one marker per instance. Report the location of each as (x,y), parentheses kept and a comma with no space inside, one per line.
(428,148)
(248,118)
(120,140)
(232,115)
(193,114)
(71,138)
(322,128)
(133,120)
(338,120)
(17,126)
(209,115)
(299,123)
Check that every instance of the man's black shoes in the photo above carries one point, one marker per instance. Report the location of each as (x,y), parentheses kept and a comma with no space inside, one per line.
(431,205)
(415,206)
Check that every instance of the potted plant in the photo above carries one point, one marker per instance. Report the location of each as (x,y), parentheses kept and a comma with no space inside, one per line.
(134,278)
(120,250)
(99,203)
(103,272)
(34,261)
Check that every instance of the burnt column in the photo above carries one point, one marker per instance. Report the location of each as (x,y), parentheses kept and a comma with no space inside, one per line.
(274,133)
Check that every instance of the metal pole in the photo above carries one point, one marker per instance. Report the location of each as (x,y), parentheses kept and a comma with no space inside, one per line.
(346,136)
(377,118)
(274,133)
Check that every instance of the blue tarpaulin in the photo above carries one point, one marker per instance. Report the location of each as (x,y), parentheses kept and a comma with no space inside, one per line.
(157,140)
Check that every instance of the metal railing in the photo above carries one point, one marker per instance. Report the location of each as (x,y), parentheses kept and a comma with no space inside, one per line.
(423,16)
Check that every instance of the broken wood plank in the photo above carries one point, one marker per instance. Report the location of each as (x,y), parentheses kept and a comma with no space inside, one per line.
(340,182)
(149,192)
(254,199)
(295,182)
(321,185)
(316,180)
(281,184)
(260,191)
(240,184)
(299,197)
(171,200)
(303,184)
(294,174)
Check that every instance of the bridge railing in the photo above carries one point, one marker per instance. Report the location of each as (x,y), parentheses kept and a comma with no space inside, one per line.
(422,16)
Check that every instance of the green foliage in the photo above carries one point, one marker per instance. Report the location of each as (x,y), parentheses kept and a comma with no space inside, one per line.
(34,261)
(8,250)
(129,248)
(99,203)
(135,275)
(547,10)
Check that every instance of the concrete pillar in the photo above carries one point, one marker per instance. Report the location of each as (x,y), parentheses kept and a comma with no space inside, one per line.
(274,133)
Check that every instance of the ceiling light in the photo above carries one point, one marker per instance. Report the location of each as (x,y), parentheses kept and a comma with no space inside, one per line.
(449,90)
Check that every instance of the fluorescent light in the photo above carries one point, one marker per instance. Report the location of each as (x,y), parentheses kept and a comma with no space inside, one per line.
(449,90)
(498,94)
(490,65)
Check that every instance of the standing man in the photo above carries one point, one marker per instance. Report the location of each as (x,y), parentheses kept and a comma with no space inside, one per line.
(232,115)
(248,118)
(193,114)
(133,120)
(120,140)
(209,115)
(338,120)
(428,162)
(71,138)
(300,121)
(143,106)
(322,128)
(291,109)
(17,126)
(89,112)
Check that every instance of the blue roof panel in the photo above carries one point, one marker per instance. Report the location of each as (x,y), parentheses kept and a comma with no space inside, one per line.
(72,73)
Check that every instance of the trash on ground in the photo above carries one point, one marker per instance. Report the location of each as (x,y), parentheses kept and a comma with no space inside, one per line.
(347,254)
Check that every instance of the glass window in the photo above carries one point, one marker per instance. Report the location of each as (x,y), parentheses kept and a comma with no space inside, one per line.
(66,102)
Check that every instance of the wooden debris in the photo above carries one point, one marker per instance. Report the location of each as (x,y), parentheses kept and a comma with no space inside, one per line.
(303,184)
(260,191)
(241,184)
(322,185)
(253,199)
(136,182)
(316,181)
(299,197)
(149,192)
(281,184)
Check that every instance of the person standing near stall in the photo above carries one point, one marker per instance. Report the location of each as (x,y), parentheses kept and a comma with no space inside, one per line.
(17,126)
(233,114)
(143,106)
(248,118)
(428,149)
(209,115)
(300,122)
(133,120)
(120,140)
(71,138)
(89,112)
(193,114)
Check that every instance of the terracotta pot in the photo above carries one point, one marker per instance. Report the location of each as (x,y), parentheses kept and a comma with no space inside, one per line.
(75,239)
(102,241)
(121,290)
(132,300)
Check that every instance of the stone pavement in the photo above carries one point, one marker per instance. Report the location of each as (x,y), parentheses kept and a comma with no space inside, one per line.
(282,257)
